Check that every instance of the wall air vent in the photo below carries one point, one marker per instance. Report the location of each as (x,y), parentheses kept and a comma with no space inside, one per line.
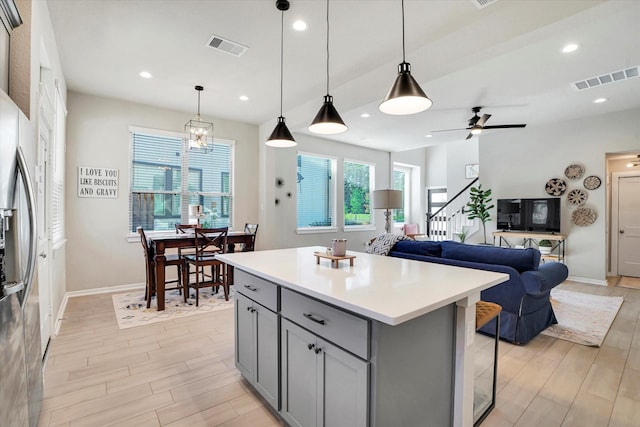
(481,4)
(226,45)
(604,79)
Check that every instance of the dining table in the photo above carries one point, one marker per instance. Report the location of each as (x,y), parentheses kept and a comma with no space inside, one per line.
(160,243)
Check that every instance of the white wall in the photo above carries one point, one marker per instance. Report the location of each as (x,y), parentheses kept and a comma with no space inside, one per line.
(280,231)
(519,163)
(98,253)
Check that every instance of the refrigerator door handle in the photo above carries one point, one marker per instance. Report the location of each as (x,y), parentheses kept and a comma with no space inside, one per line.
(33,240)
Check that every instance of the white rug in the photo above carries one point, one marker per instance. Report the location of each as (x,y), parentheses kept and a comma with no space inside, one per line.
(582,318)
(131,308)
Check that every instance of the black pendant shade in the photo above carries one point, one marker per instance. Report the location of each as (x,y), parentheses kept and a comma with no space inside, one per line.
(327,121)
(405,96)
(281,137)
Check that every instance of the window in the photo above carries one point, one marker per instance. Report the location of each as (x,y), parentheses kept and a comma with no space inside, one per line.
(316,192)
(401,181)
(161,193)
(58,163)
(358,181)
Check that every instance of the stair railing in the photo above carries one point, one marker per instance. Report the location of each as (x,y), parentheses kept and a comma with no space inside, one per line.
(441,225)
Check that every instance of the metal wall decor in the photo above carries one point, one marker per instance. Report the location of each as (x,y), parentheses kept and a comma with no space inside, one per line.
(577,197)
(583,217)
(592,182)
(574,171)
(555,187)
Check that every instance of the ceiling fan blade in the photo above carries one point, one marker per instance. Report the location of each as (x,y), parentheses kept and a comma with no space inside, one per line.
(446,130)
(504,126)
(469,136)
(482,120)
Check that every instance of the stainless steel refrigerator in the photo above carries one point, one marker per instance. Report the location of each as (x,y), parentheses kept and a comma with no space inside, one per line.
(20,353)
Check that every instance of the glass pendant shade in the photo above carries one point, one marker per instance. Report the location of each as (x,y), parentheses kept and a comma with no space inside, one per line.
(327,121)
(281,137)
(405,96)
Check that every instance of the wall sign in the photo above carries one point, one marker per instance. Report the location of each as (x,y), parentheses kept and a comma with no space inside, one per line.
(101,183)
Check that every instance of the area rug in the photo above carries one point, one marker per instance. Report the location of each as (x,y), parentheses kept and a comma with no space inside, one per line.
(131,308)
(582,318)
(629,282)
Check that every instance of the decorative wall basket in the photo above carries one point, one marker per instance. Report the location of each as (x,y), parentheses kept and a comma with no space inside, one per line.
(555,187)
(577,197)
(592,182)
(583,217)
(574,171)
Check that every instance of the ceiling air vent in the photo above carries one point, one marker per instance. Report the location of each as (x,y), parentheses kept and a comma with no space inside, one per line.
(481,4)
(226,45)
(604,79)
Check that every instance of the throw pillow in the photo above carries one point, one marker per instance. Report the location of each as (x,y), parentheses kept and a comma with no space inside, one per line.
(382,245)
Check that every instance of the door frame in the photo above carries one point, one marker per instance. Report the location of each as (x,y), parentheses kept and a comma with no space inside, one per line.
(615,176)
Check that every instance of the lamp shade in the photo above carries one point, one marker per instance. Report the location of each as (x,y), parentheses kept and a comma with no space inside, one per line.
(281,137)
(327,121)
(387,199)
(405,96)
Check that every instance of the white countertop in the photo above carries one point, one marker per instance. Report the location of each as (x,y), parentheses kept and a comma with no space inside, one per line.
(388,289)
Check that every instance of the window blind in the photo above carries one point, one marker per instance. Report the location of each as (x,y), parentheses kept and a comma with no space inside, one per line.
(58,169)
(316,194)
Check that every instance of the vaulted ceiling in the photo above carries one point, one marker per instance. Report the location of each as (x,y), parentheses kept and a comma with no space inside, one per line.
(505,57)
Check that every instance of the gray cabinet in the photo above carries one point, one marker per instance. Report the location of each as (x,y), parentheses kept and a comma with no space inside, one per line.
(257,347)
(322,385)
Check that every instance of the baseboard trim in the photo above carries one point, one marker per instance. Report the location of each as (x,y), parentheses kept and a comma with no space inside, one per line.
(588,281)
(95,291)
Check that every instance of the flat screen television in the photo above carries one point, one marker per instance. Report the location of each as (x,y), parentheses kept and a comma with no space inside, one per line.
(537,215)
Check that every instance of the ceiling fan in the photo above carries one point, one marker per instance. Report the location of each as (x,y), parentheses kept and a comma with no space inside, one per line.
(476,124)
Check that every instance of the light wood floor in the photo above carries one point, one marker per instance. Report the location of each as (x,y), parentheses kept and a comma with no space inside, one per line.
(181,372)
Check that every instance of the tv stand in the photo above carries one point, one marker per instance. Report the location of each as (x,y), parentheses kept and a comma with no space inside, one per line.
(531,239)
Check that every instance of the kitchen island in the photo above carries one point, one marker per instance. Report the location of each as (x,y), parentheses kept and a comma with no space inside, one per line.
(387,341)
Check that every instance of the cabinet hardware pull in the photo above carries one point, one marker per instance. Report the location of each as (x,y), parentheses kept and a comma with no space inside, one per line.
(310,317)
(251,288)
(310,346)
(317,350)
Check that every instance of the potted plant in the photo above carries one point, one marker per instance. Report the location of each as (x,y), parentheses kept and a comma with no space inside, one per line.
(479,207)
(462,234)
(544,246)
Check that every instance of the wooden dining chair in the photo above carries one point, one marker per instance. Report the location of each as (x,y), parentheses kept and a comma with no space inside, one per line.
(209,243)
(184,229)
(251,229)
(172,260)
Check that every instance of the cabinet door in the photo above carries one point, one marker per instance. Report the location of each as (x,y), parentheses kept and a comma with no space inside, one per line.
(298,376)
(266,373)
(343,384)
(245,348)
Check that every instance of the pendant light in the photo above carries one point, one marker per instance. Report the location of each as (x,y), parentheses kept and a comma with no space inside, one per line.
(327,121)
(198,132)
(281,137)
(405,96)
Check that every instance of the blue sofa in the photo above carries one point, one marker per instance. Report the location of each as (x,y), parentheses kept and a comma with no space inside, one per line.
(526,307)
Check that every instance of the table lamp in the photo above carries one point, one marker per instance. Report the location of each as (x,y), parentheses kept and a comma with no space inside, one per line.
(387,199)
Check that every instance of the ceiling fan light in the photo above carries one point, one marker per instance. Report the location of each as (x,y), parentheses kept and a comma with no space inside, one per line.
(327,121)
(405,96)
(281,137)
(476,130)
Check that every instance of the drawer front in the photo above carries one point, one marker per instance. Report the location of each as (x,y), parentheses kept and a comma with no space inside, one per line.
(261,291)
(344,329)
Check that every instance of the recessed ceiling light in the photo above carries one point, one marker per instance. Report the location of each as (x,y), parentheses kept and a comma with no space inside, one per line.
(244,98)
(599,100)
(145,74)
(300,25)
(428,135)
(571,47)
(365,115)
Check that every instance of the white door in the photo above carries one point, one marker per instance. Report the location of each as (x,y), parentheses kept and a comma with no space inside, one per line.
(45,127)
(629,226)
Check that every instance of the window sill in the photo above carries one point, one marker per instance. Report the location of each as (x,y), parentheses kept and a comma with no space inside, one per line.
(317,230)
(352,228)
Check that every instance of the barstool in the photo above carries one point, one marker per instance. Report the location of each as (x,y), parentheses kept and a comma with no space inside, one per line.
(485,313)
